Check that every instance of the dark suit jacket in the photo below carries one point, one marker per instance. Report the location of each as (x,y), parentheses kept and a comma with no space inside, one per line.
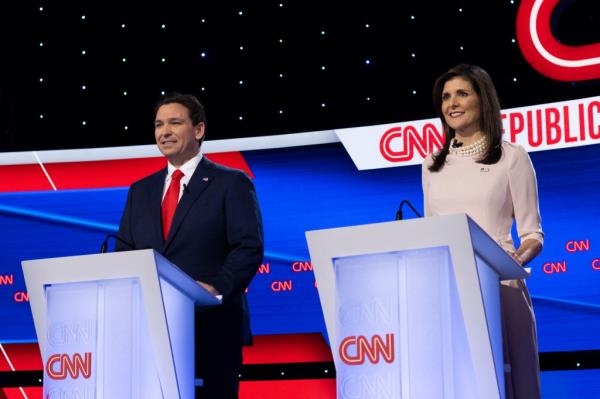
(216,235)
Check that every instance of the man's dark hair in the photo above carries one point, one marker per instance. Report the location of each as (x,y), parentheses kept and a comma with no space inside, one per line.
(194,107)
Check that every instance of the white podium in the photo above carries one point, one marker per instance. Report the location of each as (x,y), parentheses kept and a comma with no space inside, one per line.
(412,308)
(116,325)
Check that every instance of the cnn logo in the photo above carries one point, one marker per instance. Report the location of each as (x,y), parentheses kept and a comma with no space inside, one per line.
(354,350)
(399,144)
(61,364)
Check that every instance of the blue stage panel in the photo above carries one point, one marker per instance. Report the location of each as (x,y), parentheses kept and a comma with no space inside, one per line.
(315,187)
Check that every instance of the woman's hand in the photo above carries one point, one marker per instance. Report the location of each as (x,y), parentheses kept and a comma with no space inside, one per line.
(528,250)
(516,257)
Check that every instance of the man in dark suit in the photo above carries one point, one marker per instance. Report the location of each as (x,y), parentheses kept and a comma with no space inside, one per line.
(205,219)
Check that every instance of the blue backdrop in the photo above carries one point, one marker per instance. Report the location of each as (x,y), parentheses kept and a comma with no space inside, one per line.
(314,187)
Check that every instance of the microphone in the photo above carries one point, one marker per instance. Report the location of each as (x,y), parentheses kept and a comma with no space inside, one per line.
(456,143)
(185,188)
(399,212)
(104,246)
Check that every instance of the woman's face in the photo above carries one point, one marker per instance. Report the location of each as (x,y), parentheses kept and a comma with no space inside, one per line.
(461,106)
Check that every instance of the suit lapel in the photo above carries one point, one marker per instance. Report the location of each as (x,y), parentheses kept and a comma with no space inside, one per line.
(202,177)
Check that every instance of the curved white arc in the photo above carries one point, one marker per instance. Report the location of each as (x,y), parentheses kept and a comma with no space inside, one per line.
(150,150)
(545,53)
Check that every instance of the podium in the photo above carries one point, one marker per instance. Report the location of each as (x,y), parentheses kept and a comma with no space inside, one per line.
(412,308)
(115,325)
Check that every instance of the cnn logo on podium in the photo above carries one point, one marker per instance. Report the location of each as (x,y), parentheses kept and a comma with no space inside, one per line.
(355,349)
(60,365)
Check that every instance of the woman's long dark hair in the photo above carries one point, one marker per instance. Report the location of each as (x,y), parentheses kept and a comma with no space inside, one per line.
(490,119)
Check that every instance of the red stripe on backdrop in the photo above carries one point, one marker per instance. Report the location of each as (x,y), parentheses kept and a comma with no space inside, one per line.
(99,174)
(23,178)
(289,389)
(96,174)
(287,348)
(24,356)
(232,159)
(15,393)
(4,364)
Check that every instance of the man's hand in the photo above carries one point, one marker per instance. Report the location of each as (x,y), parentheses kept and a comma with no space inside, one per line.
(209,288)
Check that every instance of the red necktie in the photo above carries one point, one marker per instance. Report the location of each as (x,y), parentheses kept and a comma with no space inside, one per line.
(170,201)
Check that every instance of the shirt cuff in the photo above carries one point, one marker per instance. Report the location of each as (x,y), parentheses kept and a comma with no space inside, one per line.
(536,235)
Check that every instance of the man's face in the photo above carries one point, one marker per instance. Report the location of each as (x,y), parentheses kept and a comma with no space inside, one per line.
(176,136)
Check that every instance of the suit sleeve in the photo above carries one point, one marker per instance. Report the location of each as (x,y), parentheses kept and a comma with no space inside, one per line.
(125,226)
(244,237)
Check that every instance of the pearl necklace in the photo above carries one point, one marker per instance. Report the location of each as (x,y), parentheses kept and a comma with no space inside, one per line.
(477,148)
